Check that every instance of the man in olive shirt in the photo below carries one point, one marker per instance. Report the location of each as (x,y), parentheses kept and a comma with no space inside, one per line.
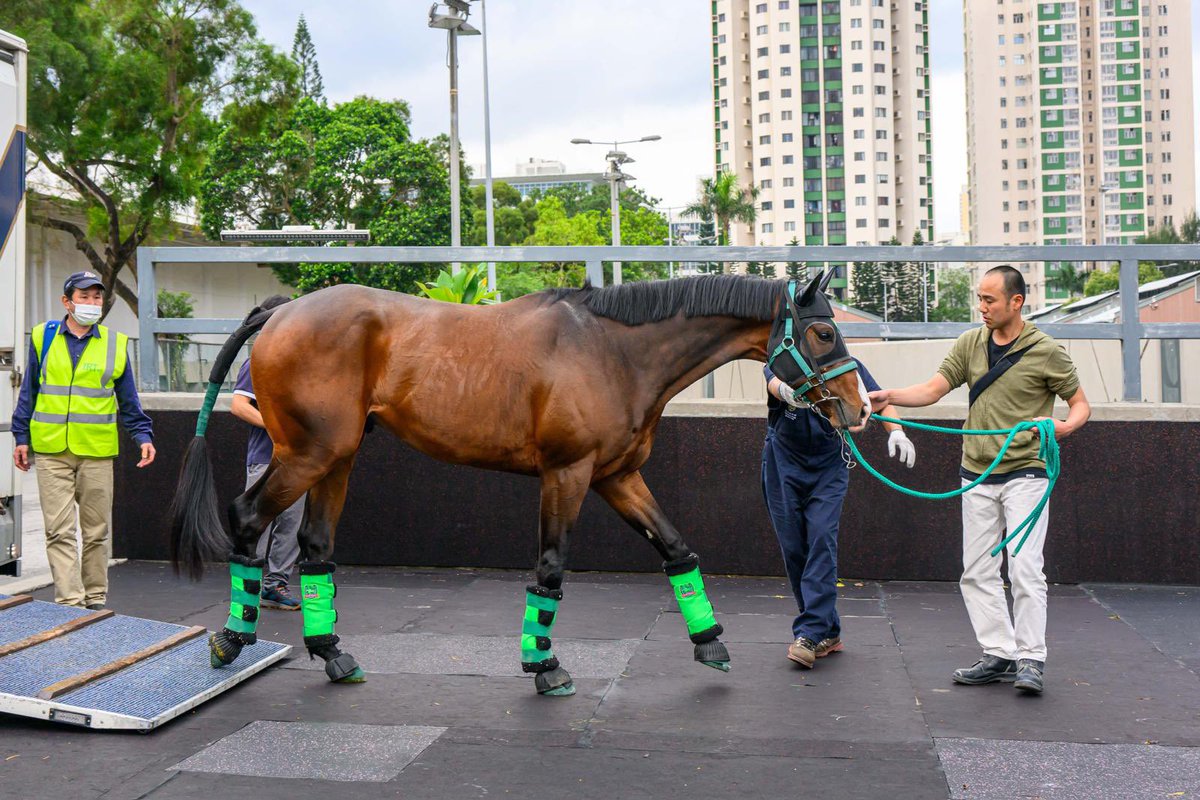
(1014,372)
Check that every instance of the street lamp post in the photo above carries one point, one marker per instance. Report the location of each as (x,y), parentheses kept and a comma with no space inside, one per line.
(616,178)
(487,152)
(452,18)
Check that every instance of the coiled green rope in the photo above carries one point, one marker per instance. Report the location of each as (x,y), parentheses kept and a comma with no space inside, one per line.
(1047,451)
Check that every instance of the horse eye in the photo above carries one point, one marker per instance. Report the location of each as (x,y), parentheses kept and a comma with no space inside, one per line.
(825,336)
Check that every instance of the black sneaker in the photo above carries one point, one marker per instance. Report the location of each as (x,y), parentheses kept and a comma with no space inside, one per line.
(989,669)
(1029,675)
(279,597)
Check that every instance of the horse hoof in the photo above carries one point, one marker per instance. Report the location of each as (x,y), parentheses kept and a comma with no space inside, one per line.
(344,669)
(222,651)
(713,654)
(554,683)
(357,676)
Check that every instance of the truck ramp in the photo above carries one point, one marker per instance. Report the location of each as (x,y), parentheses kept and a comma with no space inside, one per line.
(98,669)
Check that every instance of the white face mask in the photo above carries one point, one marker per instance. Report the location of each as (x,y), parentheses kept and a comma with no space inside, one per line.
(86,315)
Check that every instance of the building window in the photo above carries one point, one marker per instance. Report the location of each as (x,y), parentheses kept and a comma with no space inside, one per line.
(789,203)
(789,226)
(767,227)
(787,182)
(789,159)
(766,205)
(764,162)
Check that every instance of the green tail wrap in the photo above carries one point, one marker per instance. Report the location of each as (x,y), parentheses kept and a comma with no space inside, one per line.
(210,400)
(316,600)
(540,614)
(246,583)
(693,601)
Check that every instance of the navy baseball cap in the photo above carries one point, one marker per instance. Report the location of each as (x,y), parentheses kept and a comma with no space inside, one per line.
(81,280)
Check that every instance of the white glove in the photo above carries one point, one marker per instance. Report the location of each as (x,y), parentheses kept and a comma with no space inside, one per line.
(900,447)
(788,395)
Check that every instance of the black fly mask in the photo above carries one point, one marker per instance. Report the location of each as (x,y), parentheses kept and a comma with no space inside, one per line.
(806,349)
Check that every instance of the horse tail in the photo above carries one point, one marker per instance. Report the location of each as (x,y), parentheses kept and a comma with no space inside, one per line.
(197,533)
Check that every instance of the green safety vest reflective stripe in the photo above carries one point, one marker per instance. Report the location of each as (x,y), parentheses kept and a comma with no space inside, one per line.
(76,406)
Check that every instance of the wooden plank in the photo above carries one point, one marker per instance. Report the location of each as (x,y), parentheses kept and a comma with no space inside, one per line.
(82,679)
(55,632)
(15,600)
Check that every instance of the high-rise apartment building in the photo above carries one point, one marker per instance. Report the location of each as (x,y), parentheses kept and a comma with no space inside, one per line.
(1079,122)
(824,107)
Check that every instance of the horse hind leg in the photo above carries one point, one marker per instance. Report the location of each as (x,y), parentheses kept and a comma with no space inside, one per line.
(562,495)
(317,587)
(631,499)
(249,515)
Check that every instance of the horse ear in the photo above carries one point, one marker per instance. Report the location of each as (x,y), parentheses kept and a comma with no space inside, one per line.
(809,292)
(825,279)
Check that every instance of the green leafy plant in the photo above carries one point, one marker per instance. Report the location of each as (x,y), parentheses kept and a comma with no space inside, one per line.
(468,287)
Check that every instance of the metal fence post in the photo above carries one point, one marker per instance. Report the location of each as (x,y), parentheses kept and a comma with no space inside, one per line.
(1131,332)
(595,273)
(147,321)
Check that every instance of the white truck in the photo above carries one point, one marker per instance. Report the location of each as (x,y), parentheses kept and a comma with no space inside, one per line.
(13,71)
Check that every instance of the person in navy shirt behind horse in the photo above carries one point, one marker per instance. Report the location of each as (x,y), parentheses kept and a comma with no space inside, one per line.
(804,479)
(279,543)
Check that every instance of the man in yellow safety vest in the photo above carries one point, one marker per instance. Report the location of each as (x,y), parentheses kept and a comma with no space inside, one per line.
(77,384)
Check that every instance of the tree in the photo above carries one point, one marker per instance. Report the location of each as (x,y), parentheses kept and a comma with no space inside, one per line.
(954,297)
(121,96)
(1069,279)
(1189,233)
(723,199)
(866,287)
(333,166)
(304,53)
(1109,280)
(175,305)
(513,215)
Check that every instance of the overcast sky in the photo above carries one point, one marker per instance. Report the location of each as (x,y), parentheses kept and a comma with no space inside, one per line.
(584,68)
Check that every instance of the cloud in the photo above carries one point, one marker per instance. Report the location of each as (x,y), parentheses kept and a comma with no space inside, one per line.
(949,115)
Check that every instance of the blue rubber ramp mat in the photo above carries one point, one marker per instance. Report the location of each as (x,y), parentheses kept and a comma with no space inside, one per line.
(139,696)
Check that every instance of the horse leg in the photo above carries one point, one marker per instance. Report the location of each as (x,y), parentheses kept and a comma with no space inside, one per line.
(249,515)
(317,589)
(563,491)
(630,498)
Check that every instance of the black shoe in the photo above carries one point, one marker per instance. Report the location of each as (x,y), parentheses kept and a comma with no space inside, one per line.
(1029,675)
(96,607)
(988,669)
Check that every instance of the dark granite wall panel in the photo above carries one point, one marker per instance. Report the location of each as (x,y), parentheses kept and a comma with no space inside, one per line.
(1126,509)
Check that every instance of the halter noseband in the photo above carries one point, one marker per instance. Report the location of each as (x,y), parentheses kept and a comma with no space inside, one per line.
(814,378)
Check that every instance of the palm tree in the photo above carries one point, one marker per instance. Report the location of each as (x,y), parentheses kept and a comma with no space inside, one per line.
(1067,278)
(724,200)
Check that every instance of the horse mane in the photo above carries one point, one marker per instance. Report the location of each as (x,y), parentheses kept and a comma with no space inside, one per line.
(700,296)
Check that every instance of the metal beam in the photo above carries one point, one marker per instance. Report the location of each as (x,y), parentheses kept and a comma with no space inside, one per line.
(377,255)
(147,320)
(1131,331)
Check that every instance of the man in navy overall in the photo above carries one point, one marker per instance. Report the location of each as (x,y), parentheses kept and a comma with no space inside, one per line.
(804,480)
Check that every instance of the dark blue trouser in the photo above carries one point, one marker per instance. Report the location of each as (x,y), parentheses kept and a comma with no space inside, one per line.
(804,495)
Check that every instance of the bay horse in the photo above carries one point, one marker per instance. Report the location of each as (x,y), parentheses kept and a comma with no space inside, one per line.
(571,384)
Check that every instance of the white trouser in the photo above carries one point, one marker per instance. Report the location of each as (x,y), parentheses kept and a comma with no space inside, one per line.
(988,511)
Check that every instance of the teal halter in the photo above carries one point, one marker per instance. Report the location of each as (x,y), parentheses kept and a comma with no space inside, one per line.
(814,378)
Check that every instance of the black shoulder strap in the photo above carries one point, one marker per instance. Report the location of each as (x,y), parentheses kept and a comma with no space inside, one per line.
(1002,366)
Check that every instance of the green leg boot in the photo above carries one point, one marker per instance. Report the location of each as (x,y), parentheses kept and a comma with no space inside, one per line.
(541,608)
(317,591)
(245,575)
(703,628)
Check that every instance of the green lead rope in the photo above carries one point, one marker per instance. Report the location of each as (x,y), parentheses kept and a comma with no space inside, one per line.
(1047,451)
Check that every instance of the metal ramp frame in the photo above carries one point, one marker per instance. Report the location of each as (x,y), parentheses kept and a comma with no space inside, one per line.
(97,669)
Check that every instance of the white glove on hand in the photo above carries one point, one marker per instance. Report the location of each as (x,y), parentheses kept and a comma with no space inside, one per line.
(788,395)
(900,447)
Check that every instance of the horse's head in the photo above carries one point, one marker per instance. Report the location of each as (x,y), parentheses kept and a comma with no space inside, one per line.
(806,351)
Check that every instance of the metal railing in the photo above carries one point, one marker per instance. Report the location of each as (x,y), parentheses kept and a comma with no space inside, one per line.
(1129,331)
